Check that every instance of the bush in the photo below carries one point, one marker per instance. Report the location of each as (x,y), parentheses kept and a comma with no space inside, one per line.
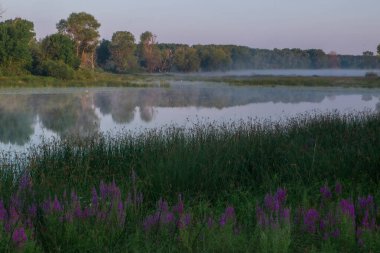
(57,69)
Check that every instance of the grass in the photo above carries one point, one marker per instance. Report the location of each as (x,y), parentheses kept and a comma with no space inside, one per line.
(104,79)
(227,173)
(83,79)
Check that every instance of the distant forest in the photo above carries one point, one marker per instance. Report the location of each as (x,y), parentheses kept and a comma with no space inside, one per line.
(77,47)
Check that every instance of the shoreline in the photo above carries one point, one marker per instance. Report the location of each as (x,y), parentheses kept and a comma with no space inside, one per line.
(149,80)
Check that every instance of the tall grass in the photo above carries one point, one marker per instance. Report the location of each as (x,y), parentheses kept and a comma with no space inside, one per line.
(212,160)
(51,200)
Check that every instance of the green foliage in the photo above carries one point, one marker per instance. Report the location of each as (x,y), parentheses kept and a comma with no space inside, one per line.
(214,58)
(122,49)
(83,29)
(103,54)
(186,59)
(59,47)
(57,69)
(149,53)
(15,38)
(378,49)
(276,240)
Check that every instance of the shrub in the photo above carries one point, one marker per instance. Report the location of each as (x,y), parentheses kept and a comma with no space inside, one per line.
(57,69)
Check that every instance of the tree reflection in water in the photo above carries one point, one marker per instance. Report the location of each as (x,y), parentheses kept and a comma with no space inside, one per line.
(75,112)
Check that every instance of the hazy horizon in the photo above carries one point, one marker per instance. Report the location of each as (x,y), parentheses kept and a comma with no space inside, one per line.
(344,26)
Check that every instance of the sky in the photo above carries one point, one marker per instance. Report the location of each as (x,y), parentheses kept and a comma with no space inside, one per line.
(343,26)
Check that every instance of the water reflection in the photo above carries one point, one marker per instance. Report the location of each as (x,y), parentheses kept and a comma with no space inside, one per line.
(83,112)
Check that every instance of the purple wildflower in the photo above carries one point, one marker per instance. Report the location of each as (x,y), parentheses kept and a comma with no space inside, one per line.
(32,210)
(94,196)
(74,197)
(336,233)
(19,237)
(227,216)
(325,192)
(85,213)
(150,221)
(179,207)
(25,182)
(78,211)
(261,217)
(285,214)
(46,206)
(186,220)
(310,219)
(271,203)
(103,190)
(114,191)
(163,205)
(281,195)
(338,188)
(3,211)
(56,205)
(14,215)
(366,202)
(167,218)
(347,208)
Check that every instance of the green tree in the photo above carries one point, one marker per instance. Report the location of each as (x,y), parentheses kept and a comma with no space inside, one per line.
(15,38)
(83,29)
(122,49)
(214,58)
(103,54)
(378,49)
(318,58)
(186,59)
(59,47)
(150,56)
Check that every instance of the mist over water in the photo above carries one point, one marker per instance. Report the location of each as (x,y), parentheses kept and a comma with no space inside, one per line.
(28,115)
(293,72)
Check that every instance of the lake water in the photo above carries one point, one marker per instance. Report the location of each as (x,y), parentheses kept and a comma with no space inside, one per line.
(28,115)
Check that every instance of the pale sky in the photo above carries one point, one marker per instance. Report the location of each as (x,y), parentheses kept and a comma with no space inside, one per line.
(344,26)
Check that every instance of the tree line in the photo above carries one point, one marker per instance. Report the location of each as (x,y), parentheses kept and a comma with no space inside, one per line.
(76,45)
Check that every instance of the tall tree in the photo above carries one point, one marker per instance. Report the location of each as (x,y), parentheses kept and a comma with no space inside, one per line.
(15,38)
(83,29)
(150,56)
(122,49)
(60,47)
(378,49)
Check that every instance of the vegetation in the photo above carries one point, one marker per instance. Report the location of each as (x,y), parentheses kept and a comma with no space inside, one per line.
(310,184)
(76,44)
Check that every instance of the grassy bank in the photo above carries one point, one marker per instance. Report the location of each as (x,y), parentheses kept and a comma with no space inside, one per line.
(308,185)
(104,79)
(83,79)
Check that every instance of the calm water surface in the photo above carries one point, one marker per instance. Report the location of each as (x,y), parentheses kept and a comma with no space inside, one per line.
(29,115)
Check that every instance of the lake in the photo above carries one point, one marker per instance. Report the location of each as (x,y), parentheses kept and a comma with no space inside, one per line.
(29,115)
